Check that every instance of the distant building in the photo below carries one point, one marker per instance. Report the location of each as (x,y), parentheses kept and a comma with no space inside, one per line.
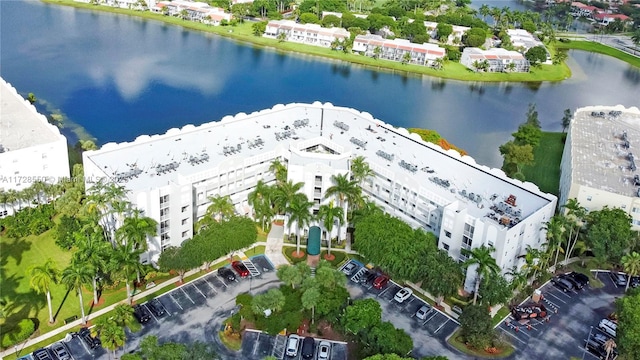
(582,10)
(171,177)
(454,37)
(310,34)
(599,167)
(523,40)
(395,50)
(195,11)
(606,18)
(498,60)
(31,149)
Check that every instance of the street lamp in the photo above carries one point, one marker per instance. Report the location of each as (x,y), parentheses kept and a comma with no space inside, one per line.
(585,344)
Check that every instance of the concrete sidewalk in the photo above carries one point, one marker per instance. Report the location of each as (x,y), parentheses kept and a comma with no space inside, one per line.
(275,241)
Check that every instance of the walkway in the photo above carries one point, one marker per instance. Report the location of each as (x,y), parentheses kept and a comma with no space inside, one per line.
(273,249)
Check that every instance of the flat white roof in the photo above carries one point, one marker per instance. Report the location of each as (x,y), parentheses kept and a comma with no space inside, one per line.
(445,175)
(21,126)
(600,153)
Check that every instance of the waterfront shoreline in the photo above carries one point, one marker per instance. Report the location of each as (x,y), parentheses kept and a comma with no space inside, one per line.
(243,34)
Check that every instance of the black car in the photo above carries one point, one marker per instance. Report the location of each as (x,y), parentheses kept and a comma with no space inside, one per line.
(562,284)
(156,307)
(90,341)
(580,277)
(308,347)
(141,314)
(635,281)
(596,349)
(576,284)
(60,351)
(372,276)
(227,274)
(599,338)
(42,354)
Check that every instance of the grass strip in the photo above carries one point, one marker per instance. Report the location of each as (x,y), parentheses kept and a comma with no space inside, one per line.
(600,49)
(547,156)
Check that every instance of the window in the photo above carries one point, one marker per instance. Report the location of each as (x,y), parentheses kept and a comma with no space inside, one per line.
(445,246)
(447,234)
(185,208)
(184,221)
(185,234)
(164,212)
(164,199)
(589,198)
(164,237)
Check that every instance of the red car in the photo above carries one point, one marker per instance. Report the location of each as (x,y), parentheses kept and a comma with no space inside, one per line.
(239,267)
(380,282)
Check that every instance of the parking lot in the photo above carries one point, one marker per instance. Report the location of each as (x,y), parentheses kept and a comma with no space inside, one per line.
(429,334)
(572,316)
(259,345)
(194,312)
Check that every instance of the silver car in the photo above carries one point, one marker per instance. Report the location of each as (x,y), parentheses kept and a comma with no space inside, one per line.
(423,312)
(324,350)
(60,351)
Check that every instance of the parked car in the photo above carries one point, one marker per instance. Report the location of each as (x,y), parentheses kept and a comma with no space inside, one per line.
(562,284)
(156,307)
(361,276)
(349,268)
(90,341)
(599,338)
(324,350)
(381,282)
(582,278)
(576,284)
(60,351)
(227,274)
(635,281)
(608,327)
(42,354)
(240,268)
(619,279)
(596,349)
(423,311)
(403,294)
(292,345)
(308,347)
(371,277)
(141,314)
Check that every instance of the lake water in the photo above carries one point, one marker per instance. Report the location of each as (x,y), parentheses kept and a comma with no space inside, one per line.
(120,77)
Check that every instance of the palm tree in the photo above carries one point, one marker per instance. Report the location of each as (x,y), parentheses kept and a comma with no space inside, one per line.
(279,170)
(533,261)
(575,217)
(484,11)
(631,265)
(42,277)
(635,38)
(111,335)
(609,346)
(360,170)
(346,191)
(94,251)
(299,212)
(486,264)
(555,229)
(136,230)
(125,261)
(284,194)
(76,276)
(259,200)
(327,215)
(221,208)
(368,208)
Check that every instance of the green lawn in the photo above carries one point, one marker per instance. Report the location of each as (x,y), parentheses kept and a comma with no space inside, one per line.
(244,32)
(599,48)
(546,171)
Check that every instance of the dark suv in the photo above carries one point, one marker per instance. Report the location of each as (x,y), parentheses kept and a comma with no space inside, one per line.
(576,284)
(141,314)
(308,347)
(562,284)
(91,342)
(580,277)
(156,307)
(227,274)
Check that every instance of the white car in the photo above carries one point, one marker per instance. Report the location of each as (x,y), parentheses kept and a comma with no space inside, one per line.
(403,295)
(292,345)
(324,349)
(422,312)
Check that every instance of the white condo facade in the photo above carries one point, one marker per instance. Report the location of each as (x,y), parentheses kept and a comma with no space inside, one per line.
(396,49)
(310,34)
(31,149)
(466,205)
(599,166)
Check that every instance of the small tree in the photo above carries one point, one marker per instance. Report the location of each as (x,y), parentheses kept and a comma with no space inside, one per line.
(475,325)
(566,119)
(536,55)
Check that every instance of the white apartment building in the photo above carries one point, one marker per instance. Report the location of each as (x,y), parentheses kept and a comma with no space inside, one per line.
(499,59)
(522,39)
(598,165)
(467,205)
(31,149)
(195,11)
(310,34)
(395,50)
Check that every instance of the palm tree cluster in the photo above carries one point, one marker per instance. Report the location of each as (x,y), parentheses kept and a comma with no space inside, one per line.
(38,193)
(284,198)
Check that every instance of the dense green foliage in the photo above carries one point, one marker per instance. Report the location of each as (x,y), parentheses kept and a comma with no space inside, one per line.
(362,315)
(494,290)
(20,333)
(476,327)
(536,55)
(151,349)
(608,233)
(474,37)
(28,221)
(628,332)
(518,152)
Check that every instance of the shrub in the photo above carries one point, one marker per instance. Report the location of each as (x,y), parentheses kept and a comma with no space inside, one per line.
(20,333)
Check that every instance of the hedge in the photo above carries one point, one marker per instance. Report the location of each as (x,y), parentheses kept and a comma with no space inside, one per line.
(20,333)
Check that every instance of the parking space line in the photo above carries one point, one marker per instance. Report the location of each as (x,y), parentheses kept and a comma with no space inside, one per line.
(582,348)
(174,300)
(255,344)
(440,327)
(84,345)
(211,286)
(513,336)
(222,281)
(188,297)
(203,295)
(383,291)
(150,312)
(562,301)
(164,307)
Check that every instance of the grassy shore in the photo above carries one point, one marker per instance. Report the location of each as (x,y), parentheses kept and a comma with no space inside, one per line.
(547,156)
(244,33)
(600,49)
